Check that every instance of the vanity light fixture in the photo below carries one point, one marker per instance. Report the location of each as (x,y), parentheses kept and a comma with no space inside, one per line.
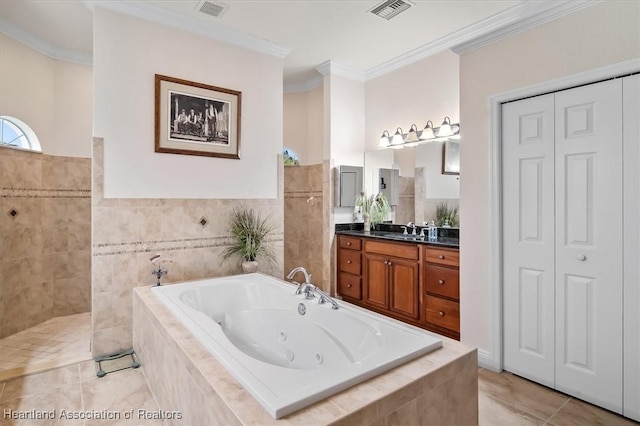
(397,140)
(427,132)
(384,140)
(445,128)
(412,137)
(447,131)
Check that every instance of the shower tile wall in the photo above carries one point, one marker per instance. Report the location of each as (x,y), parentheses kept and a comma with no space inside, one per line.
(303,220)
(127,232)
(45,244)
(405,210)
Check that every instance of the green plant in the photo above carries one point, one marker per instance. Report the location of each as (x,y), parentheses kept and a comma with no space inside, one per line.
(289,158)
(249,231)
(445,213)
(377,206)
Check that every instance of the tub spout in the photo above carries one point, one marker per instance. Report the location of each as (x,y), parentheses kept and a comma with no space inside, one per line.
(294,271)
(306,287)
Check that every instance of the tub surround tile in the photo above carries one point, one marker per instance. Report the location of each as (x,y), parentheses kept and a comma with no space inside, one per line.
(377,400)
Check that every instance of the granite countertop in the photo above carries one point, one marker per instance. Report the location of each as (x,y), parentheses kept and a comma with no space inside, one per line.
(398,236)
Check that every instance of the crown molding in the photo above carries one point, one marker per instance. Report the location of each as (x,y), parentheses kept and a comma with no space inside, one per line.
(25,37)
(334,68)
(515,19)
(529,20)
(165,17)
(305,86)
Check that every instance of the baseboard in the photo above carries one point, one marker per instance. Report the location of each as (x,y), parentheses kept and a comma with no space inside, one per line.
(486,360)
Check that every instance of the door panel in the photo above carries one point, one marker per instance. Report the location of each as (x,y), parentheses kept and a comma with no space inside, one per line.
(376,290)
(631,147)
(588,152)
(528,237)
(404,287)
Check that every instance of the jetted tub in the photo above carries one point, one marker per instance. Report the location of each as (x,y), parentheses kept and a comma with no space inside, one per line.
(289,352)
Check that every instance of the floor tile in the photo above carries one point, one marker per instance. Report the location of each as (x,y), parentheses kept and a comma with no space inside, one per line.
(494,412)
(40,382)
(579,413)
(520,393)
(61,402)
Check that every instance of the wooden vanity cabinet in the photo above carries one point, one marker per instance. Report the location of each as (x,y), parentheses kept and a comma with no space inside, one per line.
(414,283)
(441,283)
(350,268)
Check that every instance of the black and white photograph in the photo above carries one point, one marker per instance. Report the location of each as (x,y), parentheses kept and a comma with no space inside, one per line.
(196,118)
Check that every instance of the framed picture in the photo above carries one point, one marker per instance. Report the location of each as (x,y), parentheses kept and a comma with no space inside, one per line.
(196,119)
(451,158)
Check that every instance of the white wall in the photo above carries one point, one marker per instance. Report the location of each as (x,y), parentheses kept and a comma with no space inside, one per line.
(426,90)
(53,97)
(347,128)
(127,54)
(603,34)
(438,185)
(303,125)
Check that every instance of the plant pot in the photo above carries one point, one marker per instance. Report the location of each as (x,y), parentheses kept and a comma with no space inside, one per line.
(249,266)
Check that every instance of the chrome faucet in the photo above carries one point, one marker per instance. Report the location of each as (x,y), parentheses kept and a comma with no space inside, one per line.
(412,226)
(306,287)
(324,298)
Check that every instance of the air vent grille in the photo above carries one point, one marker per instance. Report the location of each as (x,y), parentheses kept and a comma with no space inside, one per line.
(212,9)
(390,8)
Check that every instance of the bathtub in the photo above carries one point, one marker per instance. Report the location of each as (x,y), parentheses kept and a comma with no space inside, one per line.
(286,351)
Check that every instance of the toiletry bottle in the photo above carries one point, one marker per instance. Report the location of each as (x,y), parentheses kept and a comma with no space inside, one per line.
(433,231)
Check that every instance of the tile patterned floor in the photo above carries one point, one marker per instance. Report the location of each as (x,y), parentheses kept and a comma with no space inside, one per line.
(54,343)
(59,344)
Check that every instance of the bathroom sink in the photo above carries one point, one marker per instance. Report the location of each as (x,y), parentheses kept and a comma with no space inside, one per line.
(400,236)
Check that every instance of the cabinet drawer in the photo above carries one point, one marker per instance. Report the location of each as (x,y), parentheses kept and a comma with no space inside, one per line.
(353,243)
(442,281)
(350,262)
(405,251)
(350,286)
(443,313)
(442,256)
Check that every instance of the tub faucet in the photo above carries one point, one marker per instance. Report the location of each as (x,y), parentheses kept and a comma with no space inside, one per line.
(302,287)
(324,298)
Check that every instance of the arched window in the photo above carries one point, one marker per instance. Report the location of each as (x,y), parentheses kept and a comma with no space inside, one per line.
(18,134)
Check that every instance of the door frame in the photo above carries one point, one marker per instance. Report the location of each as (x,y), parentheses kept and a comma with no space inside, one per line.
(493,359)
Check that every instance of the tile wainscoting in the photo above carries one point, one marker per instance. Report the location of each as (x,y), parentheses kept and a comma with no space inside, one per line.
(127,232)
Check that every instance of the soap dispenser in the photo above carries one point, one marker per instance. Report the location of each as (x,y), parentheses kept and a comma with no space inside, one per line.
(433,231)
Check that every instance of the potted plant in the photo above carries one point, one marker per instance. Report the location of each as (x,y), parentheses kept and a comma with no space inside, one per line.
(375,209)
(446,215)
(249,231)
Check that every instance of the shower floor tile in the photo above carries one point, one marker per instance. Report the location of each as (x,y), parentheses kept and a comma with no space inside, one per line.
(54,343)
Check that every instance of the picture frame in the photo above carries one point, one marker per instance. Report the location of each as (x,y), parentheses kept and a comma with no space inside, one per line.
(451,158)
(196,118)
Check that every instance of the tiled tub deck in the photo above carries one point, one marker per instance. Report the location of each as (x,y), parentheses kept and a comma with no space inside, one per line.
(439,388)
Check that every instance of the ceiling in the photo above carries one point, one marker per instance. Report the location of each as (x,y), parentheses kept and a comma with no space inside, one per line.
(306,33)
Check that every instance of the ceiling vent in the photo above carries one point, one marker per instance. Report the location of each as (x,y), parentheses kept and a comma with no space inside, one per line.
(212,9)
(390,8)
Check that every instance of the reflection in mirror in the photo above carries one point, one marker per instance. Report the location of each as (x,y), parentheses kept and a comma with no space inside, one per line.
(432,187)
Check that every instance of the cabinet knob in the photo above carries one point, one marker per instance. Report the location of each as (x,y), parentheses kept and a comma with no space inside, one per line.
(441,313)
(582,258)
(349,285)
(441,257)
(348,261)
(440,282)
(349,243)
(390,263)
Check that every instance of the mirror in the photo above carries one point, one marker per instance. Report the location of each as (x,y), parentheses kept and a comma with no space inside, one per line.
(350,181)
(421,184)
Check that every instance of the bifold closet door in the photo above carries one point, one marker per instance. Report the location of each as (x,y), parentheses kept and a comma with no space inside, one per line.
(589,221)
(631,149)
(528,237)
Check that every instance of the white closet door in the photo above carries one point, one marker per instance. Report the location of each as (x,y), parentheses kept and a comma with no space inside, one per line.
(528,237)
(631,147)
(589,224)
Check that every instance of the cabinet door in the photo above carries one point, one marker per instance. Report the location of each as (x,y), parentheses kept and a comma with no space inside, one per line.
(376,290)
(404,288)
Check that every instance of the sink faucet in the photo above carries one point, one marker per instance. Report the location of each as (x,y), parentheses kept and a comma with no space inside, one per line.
(412,226)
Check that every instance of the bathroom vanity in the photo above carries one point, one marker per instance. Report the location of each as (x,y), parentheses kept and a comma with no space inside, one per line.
(403,277)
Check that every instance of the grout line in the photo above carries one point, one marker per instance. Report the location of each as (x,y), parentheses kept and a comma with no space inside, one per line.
(558,410)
